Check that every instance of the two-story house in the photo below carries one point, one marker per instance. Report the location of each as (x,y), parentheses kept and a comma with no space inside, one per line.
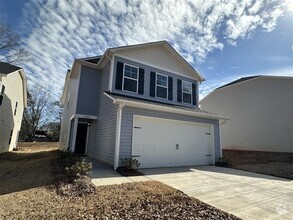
(138,101)
(13,100)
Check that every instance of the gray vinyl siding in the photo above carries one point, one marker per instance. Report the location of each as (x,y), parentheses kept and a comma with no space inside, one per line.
(146,94)
(68,111)
(127,124)
(102,134)
(89,91)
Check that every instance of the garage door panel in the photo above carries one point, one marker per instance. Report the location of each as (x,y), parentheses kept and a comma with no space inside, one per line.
(156,139)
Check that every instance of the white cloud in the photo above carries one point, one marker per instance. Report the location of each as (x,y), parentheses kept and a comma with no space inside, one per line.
(59,31)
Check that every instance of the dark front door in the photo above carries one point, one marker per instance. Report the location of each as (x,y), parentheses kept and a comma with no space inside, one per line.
(81,138)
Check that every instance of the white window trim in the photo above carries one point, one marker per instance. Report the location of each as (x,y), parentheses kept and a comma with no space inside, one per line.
(130,78)
(162,86)
(183,81)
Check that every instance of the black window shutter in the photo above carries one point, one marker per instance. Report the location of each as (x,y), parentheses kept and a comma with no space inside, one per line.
(141,81)
(170,88)
(193,94)
(179,90)
(119,76)
(153,84)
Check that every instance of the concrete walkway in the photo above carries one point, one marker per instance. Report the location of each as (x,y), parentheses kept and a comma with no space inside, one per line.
(244,194)
(103,174)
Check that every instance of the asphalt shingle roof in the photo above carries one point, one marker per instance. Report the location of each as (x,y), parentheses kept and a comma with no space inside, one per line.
(238,81)
(116,95)
(6,68)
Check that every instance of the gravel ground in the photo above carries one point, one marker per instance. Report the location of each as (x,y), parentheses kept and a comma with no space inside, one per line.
(148,200)
(143,200)
(270,163)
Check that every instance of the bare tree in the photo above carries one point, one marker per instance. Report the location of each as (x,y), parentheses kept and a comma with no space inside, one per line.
(38,113)
(11,49)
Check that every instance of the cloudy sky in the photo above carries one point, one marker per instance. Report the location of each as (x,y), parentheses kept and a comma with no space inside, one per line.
(223,39)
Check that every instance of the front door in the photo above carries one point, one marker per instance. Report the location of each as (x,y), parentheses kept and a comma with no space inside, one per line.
(81,138)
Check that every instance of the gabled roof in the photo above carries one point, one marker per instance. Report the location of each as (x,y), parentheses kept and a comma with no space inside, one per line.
(6,68)
(94,59)
(163,43)
(100,61)
(247,79)
(238,81)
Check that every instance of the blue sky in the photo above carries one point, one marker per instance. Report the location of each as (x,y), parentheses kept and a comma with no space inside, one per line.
(223,40)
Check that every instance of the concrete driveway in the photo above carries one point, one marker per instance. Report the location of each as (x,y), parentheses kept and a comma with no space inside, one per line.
(244,194)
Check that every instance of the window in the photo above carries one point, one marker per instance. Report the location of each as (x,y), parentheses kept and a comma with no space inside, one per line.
(68,99)
(161,86)
(130,78)
(15,109)
(186,92)
(2,89)
(10,137)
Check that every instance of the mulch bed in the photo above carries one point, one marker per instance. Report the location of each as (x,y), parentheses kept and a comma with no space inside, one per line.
(270,163)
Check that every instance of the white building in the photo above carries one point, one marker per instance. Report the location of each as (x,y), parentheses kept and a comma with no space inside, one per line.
(260,109)
(13,100)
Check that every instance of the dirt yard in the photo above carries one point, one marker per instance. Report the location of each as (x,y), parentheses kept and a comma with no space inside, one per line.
(270,163)
(28,191)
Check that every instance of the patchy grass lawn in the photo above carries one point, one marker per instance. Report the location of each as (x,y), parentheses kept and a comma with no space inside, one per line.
(270,163)
(28,191)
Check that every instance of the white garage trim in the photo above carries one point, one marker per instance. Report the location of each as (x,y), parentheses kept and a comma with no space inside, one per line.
(206,144)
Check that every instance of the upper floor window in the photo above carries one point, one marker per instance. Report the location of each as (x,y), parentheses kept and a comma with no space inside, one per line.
(162,86)
(10,136)
(186,92)
(15,109)
(130,78)
(2,89)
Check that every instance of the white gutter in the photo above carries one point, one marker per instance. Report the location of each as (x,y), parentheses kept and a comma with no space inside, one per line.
(110,97)
(165,108)
(169,109)
(118,131)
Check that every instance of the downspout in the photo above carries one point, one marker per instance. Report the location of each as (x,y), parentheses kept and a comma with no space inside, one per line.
(220,136)
(118,131)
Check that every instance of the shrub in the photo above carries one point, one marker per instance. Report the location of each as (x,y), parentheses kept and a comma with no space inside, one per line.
(130,163)
(79,169)
(69,158)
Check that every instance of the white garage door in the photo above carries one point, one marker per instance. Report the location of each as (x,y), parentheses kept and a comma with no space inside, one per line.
(167,143)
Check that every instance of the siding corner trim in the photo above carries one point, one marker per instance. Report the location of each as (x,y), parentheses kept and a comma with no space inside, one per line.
(118,131)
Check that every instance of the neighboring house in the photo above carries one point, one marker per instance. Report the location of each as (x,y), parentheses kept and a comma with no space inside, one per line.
(260,109)
(138,101)
(13,100)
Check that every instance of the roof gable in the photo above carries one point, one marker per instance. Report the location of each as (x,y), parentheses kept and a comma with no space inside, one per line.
(158,54)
